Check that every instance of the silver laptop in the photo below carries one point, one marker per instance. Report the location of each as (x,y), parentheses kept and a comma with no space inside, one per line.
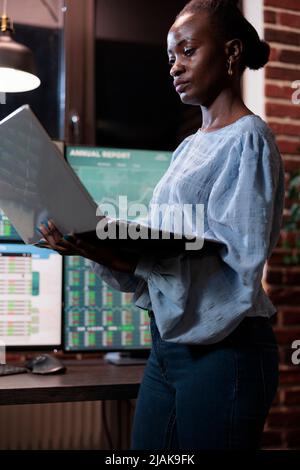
(36,183)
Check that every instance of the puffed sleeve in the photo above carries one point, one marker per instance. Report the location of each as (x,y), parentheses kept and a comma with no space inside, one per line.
(245,209)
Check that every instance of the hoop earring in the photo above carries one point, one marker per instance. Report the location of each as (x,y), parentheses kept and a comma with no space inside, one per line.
(230,71)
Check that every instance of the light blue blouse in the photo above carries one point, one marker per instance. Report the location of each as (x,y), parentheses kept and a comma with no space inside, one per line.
(237,173)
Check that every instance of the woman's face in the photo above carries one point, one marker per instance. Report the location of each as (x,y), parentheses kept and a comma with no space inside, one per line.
(198,59)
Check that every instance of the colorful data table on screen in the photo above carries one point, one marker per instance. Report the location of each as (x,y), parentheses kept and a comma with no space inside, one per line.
(30,296)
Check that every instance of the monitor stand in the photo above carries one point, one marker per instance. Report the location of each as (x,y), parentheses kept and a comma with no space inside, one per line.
(125,358)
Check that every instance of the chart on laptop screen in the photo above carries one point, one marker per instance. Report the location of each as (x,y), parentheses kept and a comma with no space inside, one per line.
(96,316)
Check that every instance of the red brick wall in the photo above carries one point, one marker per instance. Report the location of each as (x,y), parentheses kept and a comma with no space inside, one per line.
(282,31)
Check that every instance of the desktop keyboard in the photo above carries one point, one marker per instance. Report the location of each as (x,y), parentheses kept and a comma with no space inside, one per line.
(8,369)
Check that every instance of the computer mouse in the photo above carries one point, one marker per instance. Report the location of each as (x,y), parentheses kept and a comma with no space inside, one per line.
(45,364)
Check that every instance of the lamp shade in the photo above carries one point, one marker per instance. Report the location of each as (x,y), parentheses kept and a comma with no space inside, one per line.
(17,69)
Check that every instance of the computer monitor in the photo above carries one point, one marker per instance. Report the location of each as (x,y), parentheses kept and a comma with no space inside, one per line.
(96,316)
(30,297)
(7,230)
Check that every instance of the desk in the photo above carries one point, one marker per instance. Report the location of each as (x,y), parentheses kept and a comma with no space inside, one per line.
(85,380)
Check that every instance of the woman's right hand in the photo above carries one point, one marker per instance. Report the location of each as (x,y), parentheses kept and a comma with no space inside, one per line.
(100,253)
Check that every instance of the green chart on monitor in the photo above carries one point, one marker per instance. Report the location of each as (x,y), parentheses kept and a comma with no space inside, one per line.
(97,316)
(109,174)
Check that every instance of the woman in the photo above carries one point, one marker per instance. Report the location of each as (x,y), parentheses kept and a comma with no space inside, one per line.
(213,369)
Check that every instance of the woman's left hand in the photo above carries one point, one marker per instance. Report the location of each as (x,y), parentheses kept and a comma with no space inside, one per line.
(72,245)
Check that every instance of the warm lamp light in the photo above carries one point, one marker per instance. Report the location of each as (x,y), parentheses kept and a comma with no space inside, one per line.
(17,68)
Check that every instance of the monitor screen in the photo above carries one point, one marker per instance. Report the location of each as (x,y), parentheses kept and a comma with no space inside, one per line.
(30,296)
(96,316)
(7,230)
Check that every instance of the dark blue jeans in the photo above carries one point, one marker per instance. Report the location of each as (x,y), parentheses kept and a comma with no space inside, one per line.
(207,397)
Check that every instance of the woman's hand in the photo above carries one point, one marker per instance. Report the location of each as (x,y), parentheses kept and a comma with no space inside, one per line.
(72,245)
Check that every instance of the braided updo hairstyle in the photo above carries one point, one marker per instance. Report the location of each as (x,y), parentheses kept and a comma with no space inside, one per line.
(230,23)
